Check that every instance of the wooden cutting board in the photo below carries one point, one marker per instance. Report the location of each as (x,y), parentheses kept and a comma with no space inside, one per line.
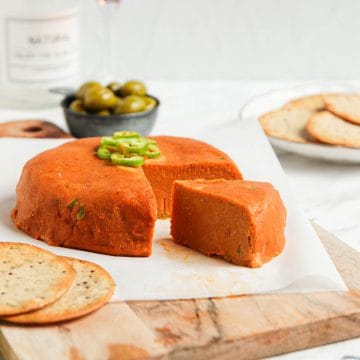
(242,327)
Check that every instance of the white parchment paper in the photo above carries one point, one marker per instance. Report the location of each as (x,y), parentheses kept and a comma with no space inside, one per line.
(175,272)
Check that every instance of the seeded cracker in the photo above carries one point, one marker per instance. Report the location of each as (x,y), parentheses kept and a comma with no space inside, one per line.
(30,278)
(92,287)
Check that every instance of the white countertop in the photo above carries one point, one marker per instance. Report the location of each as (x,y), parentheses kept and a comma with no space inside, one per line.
(329,193)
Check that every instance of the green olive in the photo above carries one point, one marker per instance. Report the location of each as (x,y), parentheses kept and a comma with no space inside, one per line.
(149,102)
(77,106)
(97,99)
(131,104)
(118,107)
(133,87)
(117,103)
(103,113)
(114,86)
(85,87)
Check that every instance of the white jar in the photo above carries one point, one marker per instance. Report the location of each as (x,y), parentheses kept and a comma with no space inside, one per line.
(39,51)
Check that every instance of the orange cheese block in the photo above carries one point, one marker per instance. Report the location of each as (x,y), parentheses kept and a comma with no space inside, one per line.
(68,197)
(240,221)
(185,159)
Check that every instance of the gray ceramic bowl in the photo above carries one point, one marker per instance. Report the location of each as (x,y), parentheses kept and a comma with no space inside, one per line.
(89,125)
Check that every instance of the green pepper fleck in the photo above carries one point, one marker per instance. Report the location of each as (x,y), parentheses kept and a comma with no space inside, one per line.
(239,250)
(81,213)
(73,203)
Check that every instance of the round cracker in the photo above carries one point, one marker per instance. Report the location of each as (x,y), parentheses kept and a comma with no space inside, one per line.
(310,102)
(330,129)
(345,106)
(287,124)
(30,278)
(93,287)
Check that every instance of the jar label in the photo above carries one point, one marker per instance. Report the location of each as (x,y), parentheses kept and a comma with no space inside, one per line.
(42,51)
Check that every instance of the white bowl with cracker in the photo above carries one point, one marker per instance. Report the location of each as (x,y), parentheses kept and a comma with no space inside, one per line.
(320,120)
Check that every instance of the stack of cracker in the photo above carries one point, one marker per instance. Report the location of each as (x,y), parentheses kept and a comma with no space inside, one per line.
(326,118)
(38,287)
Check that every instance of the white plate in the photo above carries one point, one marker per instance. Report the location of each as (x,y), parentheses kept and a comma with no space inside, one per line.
(274,99)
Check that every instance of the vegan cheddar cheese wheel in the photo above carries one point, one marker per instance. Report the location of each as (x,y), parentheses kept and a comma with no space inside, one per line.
(68,197)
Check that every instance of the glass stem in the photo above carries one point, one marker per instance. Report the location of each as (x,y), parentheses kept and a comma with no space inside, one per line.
(108,12)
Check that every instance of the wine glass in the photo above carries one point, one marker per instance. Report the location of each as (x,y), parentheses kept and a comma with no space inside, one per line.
(108,10)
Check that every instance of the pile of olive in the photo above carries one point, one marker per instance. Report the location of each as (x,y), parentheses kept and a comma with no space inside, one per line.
(115,98)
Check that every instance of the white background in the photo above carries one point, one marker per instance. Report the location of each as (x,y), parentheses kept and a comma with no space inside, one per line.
(232,39)
(221,40)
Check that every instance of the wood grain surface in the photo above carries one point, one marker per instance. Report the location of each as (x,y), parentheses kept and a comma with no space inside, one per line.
(242,327)
(32,128)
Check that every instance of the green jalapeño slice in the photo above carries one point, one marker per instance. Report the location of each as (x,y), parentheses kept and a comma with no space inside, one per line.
(132,160)
(151,141)
(103,153)
(126,134)
(108,141)
(135,146)
(152,152)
